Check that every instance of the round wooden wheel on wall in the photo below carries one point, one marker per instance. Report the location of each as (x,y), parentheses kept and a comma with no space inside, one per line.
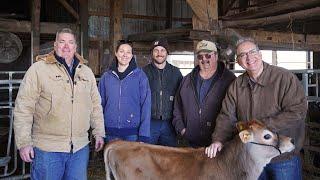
(10,47)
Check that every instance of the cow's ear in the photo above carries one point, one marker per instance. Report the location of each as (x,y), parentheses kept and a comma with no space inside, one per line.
(241,125)
(245,136)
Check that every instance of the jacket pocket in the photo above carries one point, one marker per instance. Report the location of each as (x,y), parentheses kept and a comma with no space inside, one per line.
(54,91)
(83,83)
(132,120)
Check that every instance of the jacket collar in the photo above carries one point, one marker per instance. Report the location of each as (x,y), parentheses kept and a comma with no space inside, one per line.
(50,58)
(262,79)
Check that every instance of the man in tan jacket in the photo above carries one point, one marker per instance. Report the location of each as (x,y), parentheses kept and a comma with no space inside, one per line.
(272,95)
(57,103)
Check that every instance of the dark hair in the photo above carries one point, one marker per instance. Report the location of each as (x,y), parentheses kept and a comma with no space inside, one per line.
(123,41)
(66,30)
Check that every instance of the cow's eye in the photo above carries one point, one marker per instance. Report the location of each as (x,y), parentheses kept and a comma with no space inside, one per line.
(267,136)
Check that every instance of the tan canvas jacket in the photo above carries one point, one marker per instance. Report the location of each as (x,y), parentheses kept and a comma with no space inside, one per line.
(277,99)
(51,112)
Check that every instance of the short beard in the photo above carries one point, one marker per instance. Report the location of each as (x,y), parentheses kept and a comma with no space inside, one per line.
(157,62)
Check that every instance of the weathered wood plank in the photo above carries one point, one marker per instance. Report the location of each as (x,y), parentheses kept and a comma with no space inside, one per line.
(70,9)
(84,17)
(267,39)
(258,22)
(10,25)
(273,8)
(116,14)
(35,29)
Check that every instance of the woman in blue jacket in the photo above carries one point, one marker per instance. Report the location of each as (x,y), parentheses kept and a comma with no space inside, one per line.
(126,98)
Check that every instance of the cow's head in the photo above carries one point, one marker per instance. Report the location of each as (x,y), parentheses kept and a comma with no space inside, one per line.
(262,140)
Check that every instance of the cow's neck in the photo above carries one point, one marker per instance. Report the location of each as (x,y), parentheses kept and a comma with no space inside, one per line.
(250,165)
(260,157)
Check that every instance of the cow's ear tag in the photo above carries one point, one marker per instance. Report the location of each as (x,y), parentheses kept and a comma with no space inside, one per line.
(245,136)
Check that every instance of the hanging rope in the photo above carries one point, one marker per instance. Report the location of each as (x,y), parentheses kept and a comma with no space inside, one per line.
(290,28)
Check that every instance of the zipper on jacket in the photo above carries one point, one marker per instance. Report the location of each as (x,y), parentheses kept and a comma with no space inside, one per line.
(120,93)
(72,97)
(161,98)
(195,96)
(119,104)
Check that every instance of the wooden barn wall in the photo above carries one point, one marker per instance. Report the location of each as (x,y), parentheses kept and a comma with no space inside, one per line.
(99,25)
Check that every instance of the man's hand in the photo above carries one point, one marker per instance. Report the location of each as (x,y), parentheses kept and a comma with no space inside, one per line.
(183,131)
(26,153)
(212,150)
(99,143)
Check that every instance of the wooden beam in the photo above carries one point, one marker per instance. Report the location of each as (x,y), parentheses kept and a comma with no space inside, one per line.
(204,10)
(69,8)
(35,29)
(135,16)
(116,14)
(265,39)
(273,9)
(84,18)
(205,16)
(227,6)
(249,23)
(10,25)
(169,34)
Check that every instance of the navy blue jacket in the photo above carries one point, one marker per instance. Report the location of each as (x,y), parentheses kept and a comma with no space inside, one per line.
(126,104)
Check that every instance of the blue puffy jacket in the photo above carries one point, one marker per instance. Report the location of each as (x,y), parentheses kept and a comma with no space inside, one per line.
(126,104)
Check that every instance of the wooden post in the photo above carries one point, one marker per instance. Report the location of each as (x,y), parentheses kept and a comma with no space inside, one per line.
(84,17)
(205,16)
(116,14)
(35,29)
(169,14)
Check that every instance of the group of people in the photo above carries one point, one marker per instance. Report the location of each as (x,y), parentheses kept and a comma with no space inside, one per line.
(58,102)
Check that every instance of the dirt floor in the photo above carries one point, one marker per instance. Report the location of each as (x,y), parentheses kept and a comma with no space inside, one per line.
(96,167)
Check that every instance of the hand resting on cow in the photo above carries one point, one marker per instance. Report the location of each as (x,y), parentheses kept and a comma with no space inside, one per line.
(243,158)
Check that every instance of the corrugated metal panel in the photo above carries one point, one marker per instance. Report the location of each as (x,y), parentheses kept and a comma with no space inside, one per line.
(99,27)
(181,9)
(145,7)
(134,26)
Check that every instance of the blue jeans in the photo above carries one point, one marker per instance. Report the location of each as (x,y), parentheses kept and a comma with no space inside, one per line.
(109,138)
(60,165)
(286,170)
(162,133)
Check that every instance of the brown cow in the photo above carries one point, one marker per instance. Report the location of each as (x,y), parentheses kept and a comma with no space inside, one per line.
(242,158)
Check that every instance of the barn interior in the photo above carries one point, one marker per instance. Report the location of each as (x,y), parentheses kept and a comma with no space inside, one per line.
(282,28)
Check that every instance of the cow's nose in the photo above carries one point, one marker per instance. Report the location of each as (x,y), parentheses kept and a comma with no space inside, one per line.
(292,140)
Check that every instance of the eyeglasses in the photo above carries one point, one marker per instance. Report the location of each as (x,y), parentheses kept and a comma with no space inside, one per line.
(244,55)
(207,56)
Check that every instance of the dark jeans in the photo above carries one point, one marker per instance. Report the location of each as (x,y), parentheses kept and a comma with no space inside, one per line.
(60,165)
(125,138)
(285,170)
(162,133)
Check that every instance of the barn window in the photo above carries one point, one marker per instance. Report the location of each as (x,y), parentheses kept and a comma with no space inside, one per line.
(184,61)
